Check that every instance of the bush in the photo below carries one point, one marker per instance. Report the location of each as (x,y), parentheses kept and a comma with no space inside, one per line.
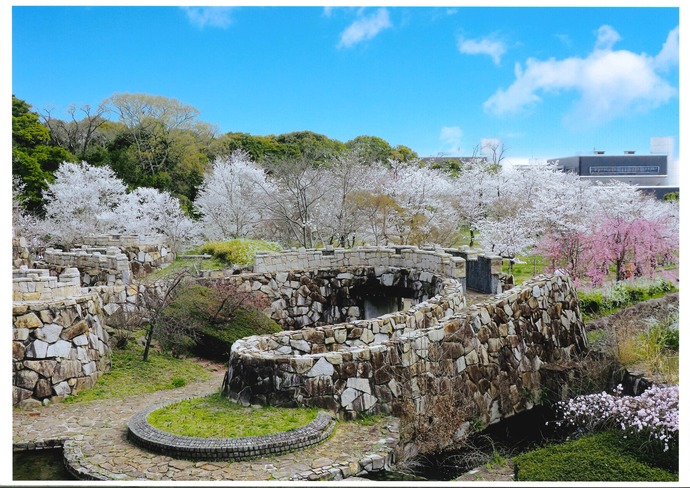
(216,339)
(603,456)
(237,251)
(651,417)
(608,299)
(219,314)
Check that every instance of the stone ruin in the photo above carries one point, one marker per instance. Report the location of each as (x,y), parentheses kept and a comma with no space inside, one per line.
(367,330)
(438,365)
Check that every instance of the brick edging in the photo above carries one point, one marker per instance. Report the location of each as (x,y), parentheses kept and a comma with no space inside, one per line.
(142,433)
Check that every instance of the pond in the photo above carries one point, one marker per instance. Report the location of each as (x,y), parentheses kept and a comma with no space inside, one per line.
(40,465)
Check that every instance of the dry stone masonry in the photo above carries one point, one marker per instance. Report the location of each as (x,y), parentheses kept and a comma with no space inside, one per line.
(441,373)
(59,344)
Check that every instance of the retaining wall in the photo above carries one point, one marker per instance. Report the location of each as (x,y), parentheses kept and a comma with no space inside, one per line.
(441,376)
(37,285)
(96,268)
(59,347)
(437,262)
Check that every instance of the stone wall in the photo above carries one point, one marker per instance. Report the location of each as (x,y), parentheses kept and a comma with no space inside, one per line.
(287,368)
(437,262)
(59,347)
(483,271)
(37,284)
(299,299)
(441,375)
(112,259)
(145,253)
(96,267)
(326,296)
(20,251)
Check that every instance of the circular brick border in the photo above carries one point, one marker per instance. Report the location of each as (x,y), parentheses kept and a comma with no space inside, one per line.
(142,433)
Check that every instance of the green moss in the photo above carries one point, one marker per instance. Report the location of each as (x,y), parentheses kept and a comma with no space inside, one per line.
(604,456)
(218,416)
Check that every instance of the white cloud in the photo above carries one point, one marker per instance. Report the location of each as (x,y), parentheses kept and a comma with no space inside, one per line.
(668,56)
(211,16)
(493,48)
(607,36)
(451,137)
(365,28)
(610,83)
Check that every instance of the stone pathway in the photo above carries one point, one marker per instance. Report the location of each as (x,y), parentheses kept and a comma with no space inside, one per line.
(98,429)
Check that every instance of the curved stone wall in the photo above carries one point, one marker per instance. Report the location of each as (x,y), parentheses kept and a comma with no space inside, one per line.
(479,364)
(341,367)
(307,298)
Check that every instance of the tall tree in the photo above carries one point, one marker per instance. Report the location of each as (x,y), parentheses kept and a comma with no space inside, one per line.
(167,143)
(33,158)
(80,132)
(82,201)
(296,188)
(372,149)
(232,198)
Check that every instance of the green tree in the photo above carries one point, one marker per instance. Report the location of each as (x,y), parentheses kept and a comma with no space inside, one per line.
(33,158)
(372,148)
(161,144)
(258,147)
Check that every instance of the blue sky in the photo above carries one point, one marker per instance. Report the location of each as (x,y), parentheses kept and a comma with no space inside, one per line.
(546,81)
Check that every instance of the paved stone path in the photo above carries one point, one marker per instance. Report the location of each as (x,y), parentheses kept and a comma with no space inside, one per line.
(98,429)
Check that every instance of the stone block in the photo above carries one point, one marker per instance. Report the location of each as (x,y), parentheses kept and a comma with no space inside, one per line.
(60,349)
(49,333)
(29,321)
(321,368)
(26,379)
(37,349)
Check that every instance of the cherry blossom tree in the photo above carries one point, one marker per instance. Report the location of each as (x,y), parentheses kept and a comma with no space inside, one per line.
(339,218)
(232,198)
(24,223)
(81,201)
(613,226)
(149,211)
(422,213)
(89,200)
(292,195)
(473,194)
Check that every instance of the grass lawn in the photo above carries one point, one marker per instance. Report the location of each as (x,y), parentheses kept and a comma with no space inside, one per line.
(218,416)
(604,456)
(130,375)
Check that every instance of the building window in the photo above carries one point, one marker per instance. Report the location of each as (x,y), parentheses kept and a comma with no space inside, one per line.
(623,170)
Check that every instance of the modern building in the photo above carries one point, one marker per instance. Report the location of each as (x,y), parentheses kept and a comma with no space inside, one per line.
(650,172)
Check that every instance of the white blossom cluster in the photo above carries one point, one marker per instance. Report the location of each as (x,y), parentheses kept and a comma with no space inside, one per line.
(654,412)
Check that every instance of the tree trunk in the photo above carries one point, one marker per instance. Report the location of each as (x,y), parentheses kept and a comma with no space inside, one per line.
(149,337)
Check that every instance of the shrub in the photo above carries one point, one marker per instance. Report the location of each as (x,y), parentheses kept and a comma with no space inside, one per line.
(608,299)
(237,251)
(652,415)
(219,314)
(216,339)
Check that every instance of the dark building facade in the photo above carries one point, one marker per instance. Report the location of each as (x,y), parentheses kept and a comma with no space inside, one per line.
(649,172)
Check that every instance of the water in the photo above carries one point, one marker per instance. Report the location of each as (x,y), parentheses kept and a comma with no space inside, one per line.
(40,465)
